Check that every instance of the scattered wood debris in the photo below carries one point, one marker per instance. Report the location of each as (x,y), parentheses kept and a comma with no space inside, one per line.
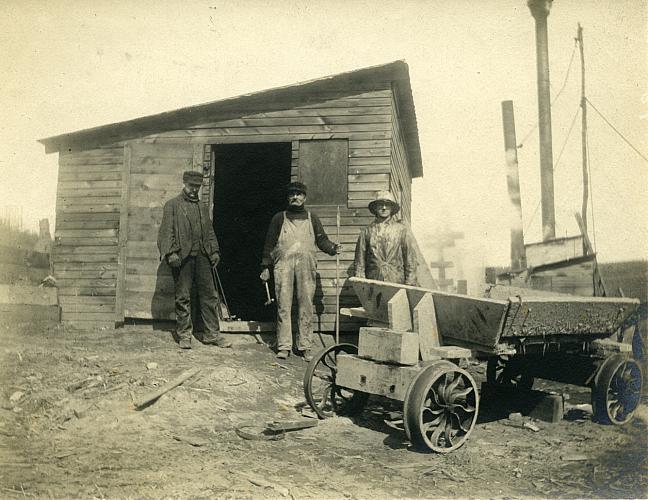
(151,397)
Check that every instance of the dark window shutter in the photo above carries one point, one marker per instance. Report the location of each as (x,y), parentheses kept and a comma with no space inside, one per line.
(323,167)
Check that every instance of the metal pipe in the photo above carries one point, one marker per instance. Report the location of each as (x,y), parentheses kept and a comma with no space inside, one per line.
(540,11)
(518,252)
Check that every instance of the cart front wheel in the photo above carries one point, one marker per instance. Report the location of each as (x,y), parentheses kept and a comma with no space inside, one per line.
(323,395)
(510,371)
(441,408)
(617,390)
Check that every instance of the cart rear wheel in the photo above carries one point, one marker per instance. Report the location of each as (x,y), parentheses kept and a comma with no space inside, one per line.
(441,408)
(617,390)
(508,370)
(323,395)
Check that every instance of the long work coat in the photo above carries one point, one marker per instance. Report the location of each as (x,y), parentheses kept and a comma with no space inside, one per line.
(175,234)
(385,252)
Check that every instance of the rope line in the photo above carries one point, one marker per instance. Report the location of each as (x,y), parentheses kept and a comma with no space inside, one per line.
(616,130)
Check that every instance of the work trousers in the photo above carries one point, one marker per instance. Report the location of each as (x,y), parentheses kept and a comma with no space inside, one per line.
(195,270)
(295,272)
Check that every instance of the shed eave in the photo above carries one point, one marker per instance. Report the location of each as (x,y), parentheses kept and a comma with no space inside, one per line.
(262,101)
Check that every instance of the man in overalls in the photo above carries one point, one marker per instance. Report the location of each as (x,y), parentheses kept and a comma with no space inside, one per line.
(292,240)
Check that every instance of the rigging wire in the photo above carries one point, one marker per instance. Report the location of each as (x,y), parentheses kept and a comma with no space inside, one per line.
(571,59)
(591,191)
(616,130)
(557,162)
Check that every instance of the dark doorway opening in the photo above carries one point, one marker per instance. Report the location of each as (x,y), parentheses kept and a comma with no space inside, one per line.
(249,188)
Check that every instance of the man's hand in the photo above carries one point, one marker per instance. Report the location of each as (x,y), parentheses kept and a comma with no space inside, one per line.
(265,274)
(173,259)
(338,248)
(215,260)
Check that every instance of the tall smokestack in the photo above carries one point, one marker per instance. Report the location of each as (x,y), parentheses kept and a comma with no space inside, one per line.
(518,253)
(540,11)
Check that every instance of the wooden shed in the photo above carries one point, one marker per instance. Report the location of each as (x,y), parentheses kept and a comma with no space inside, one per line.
(346,136)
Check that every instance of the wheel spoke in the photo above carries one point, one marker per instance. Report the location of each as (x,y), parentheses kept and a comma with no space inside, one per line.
(443,385)
(436,411)
(434,438)
(433,423)
(461,423)
(467,409)
(451,388)
(614,409)
(461,394)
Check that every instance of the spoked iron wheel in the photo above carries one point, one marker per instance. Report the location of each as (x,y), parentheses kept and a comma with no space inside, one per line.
(323,395)
(508,370)
(441,408)
(617,390)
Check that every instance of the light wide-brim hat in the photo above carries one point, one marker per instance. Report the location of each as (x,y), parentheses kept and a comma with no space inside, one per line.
(384,196)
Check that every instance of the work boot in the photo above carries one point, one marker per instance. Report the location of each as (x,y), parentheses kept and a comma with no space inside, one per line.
(216,339)
(184,343)
(283,354)
(307,354)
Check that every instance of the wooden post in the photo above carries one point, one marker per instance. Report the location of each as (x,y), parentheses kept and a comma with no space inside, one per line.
(337,280)
(398,311)
(123,236)
(426,325)
(583,104)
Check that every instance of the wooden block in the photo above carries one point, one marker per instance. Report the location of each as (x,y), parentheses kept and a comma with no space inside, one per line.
(354,312)
(549,408)
(503,399)
(398,312)
(450,352)
(246,326)
(375,378)
(605,347)
(388,346)
(426,326)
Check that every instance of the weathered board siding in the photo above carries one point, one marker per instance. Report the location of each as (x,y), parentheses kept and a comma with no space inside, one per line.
(401,178)
(85,253)
(363,118)
(110,200)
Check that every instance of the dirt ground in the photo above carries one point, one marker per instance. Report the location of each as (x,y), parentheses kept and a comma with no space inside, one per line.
(68,429)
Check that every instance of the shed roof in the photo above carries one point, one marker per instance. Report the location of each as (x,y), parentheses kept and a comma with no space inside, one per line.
(396,72)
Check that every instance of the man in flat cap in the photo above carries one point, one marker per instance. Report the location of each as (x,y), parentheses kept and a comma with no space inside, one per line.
(384,250)
(292,240)
(188,244)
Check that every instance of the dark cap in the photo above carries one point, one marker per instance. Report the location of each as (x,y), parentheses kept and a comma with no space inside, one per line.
(297,187)
(192,177)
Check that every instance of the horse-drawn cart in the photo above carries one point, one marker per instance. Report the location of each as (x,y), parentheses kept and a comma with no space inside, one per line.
(413,348)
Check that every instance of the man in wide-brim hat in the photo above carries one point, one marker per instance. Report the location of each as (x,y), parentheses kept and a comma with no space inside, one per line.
(188,244)
(385,250)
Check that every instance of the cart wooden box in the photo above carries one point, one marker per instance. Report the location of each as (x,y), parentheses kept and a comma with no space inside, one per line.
(563,338)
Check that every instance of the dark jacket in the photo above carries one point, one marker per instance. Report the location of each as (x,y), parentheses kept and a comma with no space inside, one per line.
(175,230)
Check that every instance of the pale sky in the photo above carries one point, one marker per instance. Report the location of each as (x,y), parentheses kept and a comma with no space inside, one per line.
(70,65)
